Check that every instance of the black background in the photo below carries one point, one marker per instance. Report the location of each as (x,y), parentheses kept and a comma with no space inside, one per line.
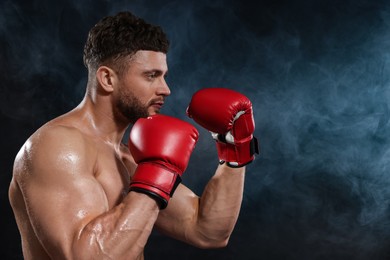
(317,72)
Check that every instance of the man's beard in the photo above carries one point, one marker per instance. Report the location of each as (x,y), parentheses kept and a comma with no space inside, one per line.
(131,107)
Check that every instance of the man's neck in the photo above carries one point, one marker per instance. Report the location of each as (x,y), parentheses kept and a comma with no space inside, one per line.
(99,118)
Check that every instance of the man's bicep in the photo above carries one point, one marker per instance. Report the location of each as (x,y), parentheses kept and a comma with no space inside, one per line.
(61,194)
(59,207)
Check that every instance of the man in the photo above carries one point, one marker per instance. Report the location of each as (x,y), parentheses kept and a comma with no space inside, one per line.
(78,193)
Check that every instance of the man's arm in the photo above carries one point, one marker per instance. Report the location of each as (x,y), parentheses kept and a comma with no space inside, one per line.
(68,207)
(209,220)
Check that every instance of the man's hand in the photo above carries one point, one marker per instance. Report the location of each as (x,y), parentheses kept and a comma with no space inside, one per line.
(162,146)
(228,115)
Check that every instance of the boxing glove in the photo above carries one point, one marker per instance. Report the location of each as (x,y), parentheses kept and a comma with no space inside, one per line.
(161,146)
(228,115)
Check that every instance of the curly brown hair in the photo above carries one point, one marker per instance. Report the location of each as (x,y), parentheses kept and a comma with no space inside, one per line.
(115,38)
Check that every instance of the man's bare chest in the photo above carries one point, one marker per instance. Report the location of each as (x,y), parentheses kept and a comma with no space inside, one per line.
(113,172)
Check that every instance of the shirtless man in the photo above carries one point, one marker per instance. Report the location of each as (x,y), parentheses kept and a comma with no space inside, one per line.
(78,192)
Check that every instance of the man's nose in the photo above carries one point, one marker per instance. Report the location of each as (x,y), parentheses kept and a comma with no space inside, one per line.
(163,88)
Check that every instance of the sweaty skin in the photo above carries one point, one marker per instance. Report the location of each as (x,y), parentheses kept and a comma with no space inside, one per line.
(69,190)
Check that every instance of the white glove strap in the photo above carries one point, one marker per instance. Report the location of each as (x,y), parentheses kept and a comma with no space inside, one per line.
(228,138)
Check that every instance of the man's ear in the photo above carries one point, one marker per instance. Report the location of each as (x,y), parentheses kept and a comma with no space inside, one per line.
(106,78)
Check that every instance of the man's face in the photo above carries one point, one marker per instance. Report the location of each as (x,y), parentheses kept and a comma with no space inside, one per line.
(142,89)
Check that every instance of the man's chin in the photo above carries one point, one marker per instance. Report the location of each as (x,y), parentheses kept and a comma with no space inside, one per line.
(154,112)
(140,116)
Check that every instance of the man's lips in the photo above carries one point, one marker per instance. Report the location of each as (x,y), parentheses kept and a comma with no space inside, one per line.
(158,104)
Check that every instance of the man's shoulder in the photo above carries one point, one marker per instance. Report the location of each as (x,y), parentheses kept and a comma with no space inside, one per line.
(54,133)
(55,153)
(52,143)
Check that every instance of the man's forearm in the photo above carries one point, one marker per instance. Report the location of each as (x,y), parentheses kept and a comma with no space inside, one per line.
(121,232)
(220,204)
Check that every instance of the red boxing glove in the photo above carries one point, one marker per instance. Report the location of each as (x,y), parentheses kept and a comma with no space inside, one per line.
(162,146)
(228,115)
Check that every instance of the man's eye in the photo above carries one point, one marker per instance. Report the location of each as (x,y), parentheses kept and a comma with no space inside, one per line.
(152,75)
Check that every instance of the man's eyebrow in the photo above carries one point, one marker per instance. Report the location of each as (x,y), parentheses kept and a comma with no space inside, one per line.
(156,71)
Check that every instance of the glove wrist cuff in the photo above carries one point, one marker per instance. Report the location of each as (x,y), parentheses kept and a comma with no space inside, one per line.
(237,155)
(155,180)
